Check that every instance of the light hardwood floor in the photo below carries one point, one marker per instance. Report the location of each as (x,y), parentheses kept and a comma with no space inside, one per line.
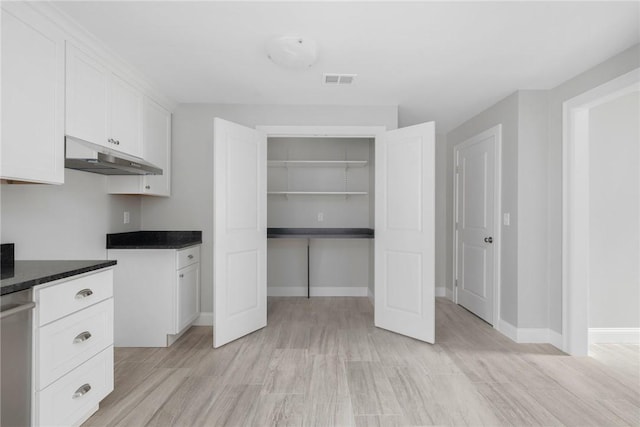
(320,362)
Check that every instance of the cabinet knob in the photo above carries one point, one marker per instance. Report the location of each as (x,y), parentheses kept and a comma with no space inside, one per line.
(117,142)
(110,140)
(82,337)
(181,275)
(147,187)
(84,293)
(190,256)
(81,391)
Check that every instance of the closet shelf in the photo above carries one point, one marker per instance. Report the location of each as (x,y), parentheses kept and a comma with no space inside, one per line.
(318,163)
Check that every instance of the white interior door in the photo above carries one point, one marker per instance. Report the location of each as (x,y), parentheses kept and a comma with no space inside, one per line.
(405,230)
(239,230)
(475,223)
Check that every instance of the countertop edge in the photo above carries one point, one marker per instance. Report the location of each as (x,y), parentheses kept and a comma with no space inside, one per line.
(27,284)
(159,246)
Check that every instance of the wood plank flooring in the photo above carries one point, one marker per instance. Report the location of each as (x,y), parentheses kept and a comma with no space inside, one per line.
(321,362)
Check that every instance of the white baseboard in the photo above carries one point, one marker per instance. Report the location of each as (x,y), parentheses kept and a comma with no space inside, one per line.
(371,297)
(530,335)
(205,319)
(555,339)
(508,329)
(449,294)
(317,291)
(441,291)
(614,335)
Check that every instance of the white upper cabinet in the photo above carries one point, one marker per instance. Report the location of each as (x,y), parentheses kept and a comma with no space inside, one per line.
(102,108)
(126,116)
(156,149)
(32,148)
(87,98)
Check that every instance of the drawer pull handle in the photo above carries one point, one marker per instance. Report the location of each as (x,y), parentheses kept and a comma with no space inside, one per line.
(190,256)
(84,293)
(82,337)
(84,389)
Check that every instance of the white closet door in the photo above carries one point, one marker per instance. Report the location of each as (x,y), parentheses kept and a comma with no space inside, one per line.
(405,222)
(239,231)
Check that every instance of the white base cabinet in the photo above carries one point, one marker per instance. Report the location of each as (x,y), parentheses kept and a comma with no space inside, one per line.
(157,293)
(73,348)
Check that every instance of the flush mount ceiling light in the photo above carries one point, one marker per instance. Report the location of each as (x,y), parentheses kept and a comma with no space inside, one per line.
(293,52)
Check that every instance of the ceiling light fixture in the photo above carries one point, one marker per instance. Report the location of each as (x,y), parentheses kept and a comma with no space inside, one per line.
(293,52)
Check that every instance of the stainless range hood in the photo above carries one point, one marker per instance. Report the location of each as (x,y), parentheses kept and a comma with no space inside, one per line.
(88,157)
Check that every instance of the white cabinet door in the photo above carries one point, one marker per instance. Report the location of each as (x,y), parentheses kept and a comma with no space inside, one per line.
(239,224)
(157,148)
(126,116)
(87,98)
(32,147)
(188,296)
(405,231)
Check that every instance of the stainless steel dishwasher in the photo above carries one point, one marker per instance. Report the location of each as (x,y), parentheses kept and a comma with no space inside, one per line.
(15,358)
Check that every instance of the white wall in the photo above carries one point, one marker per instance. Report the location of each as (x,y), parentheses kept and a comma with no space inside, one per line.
(614,288)
(66,221)
(191,202)
(602,73)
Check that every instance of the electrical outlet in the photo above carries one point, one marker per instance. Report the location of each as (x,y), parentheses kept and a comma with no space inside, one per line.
(320,216)
(126,218)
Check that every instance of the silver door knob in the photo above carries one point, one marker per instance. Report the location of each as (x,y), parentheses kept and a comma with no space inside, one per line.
(488,239)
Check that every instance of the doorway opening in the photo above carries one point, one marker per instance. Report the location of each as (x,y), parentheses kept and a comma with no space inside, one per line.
(577,236)
(404,249)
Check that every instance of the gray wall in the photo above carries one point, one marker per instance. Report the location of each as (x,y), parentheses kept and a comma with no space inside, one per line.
(441,206)
(531,295)
(614,193)
(191,202)
(504,112)
(64,221)
(532,210)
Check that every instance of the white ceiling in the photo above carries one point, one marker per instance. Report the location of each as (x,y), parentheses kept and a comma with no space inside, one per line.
(442,61)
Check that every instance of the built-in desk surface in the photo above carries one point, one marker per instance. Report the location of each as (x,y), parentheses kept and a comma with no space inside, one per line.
(320,233)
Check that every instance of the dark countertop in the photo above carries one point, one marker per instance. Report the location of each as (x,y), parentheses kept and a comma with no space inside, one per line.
(27,274)
(320,233)
(154,239)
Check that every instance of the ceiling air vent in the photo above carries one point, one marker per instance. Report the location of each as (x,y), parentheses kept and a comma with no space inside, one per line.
(338,79)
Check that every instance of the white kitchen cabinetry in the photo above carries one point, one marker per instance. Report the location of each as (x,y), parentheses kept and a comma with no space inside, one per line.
(156,149)
(101,107)
(158,294)
(32,97)
(73,348)
(126,116)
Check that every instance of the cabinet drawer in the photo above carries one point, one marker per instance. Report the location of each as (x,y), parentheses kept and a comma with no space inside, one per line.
(187,256)
(60,300)
(72,397)
(71,341)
